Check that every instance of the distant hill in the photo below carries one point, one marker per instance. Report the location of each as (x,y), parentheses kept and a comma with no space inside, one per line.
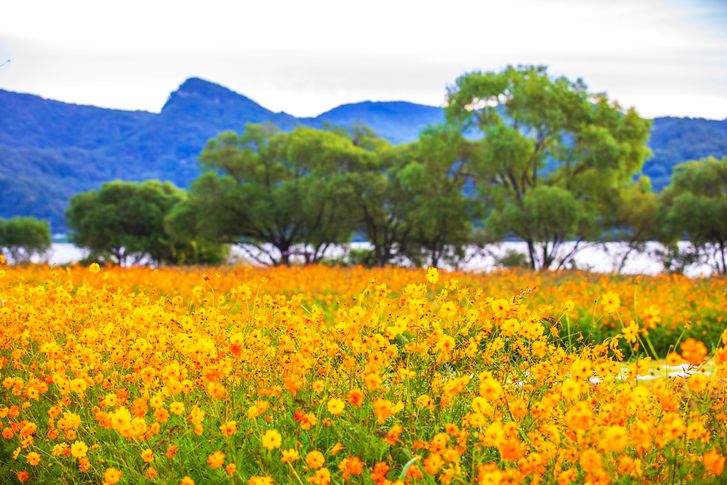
(50,150)
(397,121)
(675,140)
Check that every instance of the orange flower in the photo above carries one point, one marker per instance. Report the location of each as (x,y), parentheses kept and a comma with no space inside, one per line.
(351,467)
(355,397)
(320,477)
(147,455)
(714,462)
(433,464)
(372,381)
(32,458)
(111,476)
(615,438)
(693,351)
(216,459)
(511,449)
(229,428)
(314,459)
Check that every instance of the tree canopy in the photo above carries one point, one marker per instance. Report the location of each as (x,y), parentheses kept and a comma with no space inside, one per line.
(276,190)
(24,237)
(124,222)
(545,142)
(694,206)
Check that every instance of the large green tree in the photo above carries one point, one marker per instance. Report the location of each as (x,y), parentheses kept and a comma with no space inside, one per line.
(694,206)
(124,222)
(24,237)
(551,155)
(432,175)
(281,193)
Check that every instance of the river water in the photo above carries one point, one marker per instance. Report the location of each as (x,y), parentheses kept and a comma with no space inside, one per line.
(602,258)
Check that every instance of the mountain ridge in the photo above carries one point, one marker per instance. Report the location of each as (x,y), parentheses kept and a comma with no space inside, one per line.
(50,150)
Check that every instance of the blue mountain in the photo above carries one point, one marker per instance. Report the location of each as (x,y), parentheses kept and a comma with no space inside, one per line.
(397,121)
(50,150)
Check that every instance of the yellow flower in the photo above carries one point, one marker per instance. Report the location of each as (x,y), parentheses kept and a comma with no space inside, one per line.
(272,439)
(260,480)
(78,449)
(335,406)
(94,268)
(581,369)
(432,276)
(177,408)
(290,456)
(610,302)
(631,332)
(698,382)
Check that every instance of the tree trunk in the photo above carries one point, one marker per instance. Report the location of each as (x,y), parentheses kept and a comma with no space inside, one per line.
(532,254)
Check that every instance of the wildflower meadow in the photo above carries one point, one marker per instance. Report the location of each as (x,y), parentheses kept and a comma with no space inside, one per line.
(324,375)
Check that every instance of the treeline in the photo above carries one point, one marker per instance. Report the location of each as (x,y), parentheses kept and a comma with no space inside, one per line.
(24,237)
(522,155)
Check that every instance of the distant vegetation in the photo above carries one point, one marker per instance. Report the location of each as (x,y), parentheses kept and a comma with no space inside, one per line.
(24,237)
(125,222)
(553,163)
(50,150)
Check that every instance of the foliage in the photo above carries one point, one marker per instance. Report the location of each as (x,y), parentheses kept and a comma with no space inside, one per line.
(23,237)
(328,375)
(695,206)
(633,214)
(513,259)
(286,190)
(441,215)
(50,151)
(124,222)
(546,140)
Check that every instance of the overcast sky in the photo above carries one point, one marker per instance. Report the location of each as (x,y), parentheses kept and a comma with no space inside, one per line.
(665,57)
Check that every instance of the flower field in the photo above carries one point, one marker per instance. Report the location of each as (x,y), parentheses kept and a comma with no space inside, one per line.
(331,375)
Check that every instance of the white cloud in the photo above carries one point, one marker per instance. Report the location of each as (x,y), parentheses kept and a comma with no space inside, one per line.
(664,57)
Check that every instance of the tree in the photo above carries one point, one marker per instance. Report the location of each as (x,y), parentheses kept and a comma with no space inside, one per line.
(634,215)
(24,237)
(694,205)
(278,192)
(432,174)
(124,222)
(545,140)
